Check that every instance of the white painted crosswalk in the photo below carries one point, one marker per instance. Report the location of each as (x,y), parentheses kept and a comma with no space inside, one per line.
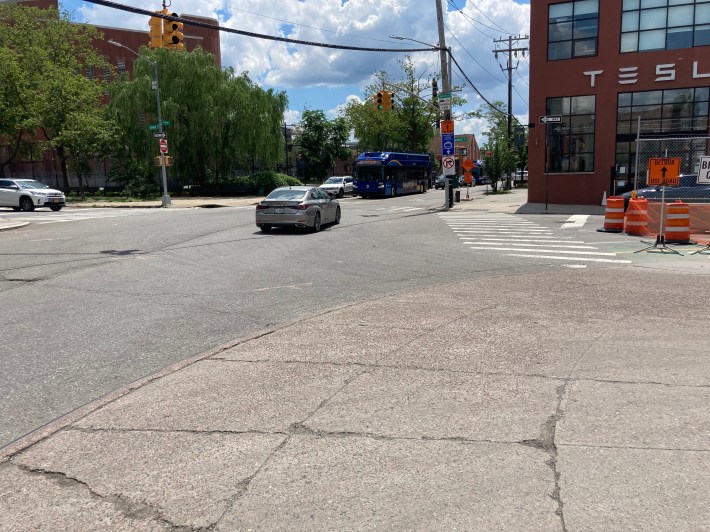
(71,215)
(516,237)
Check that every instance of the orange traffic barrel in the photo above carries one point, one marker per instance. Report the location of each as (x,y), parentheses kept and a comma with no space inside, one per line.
(614,215)
(677,223)
(636,222)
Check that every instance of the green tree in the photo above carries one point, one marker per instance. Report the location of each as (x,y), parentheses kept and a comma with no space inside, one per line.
(42,57)
(219,121)
(322,142)
(504,156)
(409,127)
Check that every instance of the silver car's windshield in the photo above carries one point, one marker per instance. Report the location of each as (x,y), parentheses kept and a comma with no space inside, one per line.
(286,194)
(31,184)
(337,180)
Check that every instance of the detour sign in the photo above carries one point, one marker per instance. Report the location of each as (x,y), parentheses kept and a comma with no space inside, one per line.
(664,171)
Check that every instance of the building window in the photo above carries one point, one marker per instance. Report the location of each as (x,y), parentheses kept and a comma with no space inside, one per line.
(90,73)
(121,66)
(663,113)
(664,24)
(572,29)
(570,143)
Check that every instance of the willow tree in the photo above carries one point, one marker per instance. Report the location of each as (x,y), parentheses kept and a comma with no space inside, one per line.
(43,56)
(216,120)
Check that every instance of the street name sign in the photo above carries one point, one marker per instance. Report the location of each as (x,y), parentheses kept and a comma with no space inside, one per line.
(447,144)
(704,171)
(551,119)
(461,139)
(664,171)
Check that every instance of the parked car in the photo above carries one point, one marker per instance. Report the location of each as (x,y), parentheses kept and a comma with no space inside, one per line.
(338,185)
(28,194)
(689,191)
(440,182)
(297,207)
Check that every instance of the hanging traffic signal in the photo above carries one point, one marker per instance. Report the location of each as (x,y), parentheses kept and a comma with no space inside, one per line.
(387,100)
(173,36)
(379,100)
(156,32)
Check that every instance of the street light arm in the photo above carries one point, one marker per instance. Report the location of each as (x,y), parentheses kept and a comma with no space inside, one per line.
(434,48)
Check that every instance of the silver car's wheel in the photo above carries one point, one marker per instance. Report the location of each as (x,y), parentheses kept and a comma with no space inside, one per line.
(337,216)
(316,223)
(341,193)
(26,204)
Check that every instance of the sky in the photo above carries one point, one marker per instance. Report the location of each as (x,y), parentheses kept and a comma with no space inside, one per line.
(326,79)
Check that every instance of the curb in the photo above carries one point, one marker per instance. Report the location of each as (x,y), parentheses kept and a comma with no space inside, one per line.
(13,226)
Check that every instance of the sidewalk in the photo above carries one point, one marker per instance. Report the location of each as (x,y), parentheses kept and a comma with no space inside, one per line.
(506,403)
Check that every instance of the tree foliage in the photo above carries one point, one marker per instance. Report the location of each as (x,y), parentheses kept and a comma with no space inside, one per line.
(322,142)
(409,127)
(503,156)
(219,122)
(42,87)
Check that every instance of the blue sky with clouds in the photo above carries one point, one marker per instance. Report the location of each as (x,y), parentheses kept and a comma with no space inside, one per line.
(322,78)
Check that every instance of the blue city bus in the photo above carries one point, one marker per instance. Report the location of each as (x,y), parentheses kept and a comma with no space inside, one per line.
(390,173)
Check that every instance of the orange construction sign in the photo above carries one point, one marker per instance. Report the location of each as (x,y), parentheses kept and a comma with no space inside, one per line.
(468,164)
(447,126)
(664,171)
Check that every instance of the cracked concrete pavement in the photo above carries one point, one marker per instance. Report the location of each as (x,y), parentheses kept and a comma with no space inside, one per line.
(479,405)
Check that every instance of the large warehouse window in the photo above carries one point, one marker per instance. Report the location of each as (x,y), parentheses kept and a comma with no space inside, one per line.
(664,24)
(573,29)
(663,113)
(570,143)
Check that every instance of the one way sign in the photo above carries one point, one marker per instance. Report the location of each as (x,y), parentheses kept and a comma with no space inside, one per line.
(551,119)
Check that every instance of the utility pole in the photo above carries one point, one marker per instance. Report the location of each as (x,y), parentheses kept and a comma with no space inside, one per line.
(510,52)
(446,88)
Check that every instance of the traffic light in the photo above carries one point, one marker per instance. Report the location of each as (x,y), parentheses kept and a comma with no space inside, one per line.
(156,32)
(173,36)
(387,100)
(379,100)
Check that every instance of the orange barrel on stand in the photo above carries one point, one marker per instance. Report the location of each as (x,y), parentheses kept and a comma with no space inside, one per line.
(636,222)
(677,223)
(614,215)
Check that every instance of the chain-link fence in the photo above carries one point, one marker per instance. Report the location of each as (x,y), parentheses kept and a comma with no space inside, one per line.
(688,150)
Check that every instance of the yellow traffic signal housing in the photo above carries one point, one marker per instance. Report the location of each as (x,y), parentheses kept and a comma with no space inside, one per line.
(156,32)
(380,100)
(173,35)
(387,100)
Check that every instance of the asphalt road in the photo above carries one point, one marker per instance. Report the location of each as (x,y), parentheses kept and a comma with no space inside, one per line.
(95,299)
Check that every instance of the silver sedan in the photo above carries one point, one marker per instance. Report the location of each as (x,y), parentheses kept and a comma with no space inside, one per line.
(297,207)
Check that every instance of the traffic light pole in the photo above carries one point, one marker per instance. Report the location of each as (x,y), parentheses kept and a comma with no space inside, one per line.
(165,200)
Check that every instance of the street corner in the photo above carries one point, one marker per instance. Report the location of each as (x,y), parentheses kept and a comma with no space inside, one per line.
(6,226)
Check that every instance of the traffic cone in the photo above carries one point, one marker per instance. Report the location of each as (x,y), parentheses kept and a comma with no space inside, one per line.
(604,199)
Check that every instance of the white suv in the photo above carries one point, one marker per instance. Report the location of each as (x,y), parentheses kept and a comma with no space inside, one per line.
(27,194)
(338,186)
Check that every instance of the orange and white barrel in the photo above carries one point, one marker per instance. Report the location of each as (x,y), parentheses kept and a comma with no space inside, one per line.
(677,223)
(614,215)
(636,222)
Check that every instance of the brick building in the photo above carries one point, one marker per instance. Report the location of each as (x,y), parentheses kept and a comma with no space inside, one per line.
(595,68)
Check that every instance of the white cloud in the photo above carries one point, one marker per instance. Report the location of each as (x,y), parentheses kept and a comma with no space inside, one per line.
(324,78)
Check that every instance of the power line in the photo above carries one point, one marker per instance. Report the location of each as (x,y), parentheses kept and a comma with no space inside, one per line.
(473,22)
(472,58)
(188,22)
(498,28)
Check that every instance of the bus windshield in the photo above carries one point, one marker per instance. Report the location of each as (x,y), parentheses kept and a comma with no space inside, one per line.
(369,172)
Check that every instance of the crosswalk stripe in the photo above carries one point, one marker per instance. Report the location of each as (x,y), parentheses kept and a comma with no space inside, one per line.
(588,259)
(544,250)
